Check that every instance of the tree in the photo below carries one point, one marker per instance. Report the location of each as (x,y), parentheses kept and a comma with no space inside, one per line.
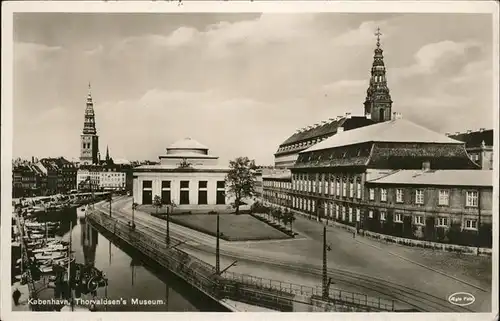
(241,180)
(157,203)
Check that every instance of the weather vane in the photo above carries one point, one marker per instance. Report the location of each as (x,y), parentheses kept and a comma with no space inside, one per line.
(378,34)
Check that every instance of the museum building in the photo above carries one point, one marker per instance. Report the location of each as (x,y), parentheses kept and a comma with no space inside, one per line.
(187,176)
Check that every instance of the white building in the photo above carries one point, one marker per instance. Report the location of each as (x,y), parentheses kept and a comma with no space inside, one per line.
(108,178)
(187,175)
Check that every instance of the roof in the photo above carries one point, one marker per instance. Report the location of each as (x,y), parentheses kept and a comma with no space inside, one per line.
(187,143)
(475,139)
(188,154)
(327,129)
(397,130)
(277,174)
(175,168)
(463,177)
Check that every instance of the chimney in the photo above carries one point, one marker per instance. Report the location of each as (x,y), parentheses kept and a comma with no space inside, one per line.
(348,115)
(32,159)
(340,129)
(426,166)
(368,116)
(469,131)
(481,129)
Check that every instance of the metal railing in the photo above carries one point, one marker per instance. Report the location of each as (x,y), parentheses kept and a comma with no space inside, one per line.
(240,287)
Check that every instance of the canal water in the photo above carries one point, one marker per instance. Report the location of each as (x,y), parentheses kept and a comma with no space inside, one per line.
(130,275)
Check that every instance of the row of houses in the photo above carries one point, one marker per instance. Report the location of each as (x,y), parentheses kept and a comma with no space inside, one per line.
(46,176)
(49,176)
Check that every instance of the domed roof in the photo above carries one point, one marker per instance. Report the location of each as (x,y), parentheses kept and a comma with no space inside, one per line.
(187,143)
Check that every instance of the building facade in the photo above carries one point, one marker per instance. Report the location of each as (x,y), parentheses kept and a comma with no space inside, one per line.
(187,176)
(89,141)
(442,205)
(479,145)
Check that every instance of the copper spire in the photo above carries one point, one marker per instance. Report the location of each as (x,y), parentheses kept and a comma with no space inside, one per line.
(378,101)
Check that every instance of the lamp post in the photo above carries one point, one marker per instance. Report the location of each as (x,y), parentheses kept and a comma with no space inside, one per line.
(326,282)
(168,227)
(217,253)
(110,200)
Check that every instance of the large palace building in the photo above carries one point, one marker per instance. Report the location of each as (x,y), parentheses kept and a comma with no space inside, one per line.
(385,174)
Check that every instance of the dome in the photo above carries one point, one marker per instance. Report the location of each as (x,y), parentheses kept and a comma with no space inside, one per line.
(187,143)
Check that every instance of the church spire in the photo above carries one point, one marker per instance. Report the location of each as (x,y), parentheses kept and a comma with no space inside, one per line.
(378,101)
(107,153)
(89,123)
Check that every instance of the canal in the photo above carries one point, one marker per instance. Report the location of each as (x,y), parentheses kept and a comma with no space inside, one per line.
(130,275)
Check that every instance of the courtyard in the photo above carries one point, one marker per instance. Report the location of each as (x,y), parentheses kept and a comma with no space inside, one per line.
(242,227)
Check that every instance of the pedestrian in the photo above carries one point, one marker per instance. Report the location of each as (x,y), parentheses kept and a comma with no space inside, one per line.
(354,234)
(16,296)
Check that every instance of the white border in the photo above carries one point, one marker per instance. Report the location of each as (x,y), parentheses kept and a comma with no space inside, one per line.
(8,8)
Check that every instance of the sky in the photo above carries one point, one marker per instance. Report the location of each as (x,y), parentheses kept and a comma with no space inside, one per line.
(238,83)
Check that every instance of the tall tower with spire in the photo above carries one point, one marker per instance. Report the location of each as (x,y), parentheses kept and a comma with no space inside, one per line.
(89,142)
(378,103)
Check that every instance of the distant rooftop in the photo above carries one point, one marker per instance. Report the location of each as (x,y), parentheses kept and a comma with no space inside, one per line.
(327,128)
(437,177)
(396,130)
(474,139)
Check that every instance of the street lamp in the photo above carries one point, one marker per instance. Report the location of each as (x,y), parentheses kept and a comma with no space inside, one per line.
(217,252)
(326,282)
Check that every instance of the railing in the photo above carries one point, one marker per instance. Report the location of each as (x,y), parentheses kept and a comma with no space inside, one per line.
(240,287)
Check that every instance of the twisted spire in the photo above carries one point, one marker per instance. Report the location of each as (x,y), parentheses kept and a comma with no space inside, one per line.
(378,101)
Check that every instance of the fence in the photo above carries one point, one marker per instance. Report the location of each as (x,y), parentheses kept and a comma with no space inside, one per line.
(239,287)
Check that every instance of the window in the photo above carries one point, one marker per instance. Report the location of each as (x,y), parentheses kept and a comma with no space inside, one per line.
(442,221)
(337,211)
(343,213)
(471,199)
(147,192)
(398,218)
(358,192)
(383,195)
(202,192)
(419,196)
(399,195)
(184,194)
(471,224)
(350,214)
(165,192)
(419,220)
(351,189)
(444,197)
(337,188)
(358,215)
(382,216)
(372,194)
(370,214)
(344,189)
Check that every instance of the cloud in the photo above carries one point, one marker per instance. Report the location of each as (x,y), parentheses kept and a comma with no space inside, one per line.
(33,54)
(433,56)
(362,35)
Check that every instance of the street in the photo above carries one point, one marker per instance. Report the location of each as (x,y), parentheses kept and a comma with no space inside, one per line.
(354,264)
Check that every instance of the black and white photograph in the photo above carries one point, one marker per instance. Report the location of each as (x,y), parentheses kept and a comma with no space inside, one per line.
(250,156)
